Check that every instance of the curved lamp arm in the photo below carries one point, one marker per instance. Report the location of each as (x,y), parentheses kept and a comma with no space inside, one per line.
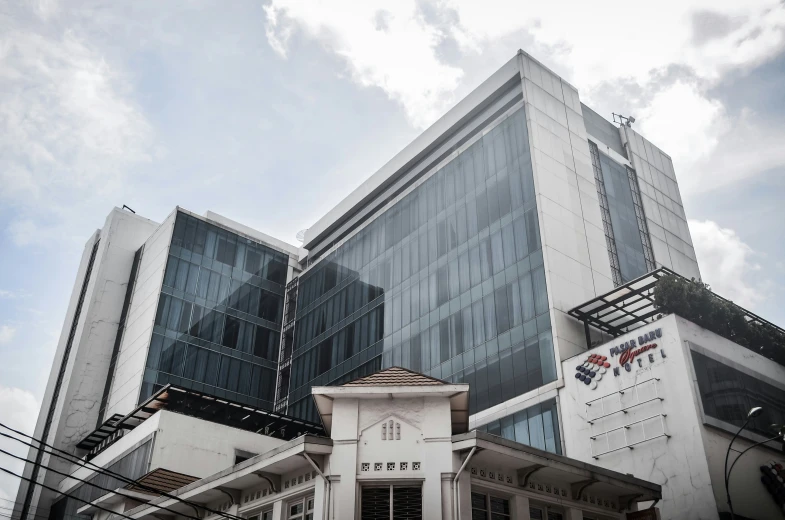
(748,449)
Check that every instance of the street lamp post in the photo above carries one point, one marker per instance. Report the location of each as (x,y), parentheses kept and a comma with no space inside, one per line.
(754,412)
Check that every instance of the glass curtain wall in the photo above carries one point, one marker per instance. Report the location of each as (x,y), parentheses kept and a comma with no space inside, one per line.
(537,426)
(449,281)
(728,394)
(217,328)
(629,245)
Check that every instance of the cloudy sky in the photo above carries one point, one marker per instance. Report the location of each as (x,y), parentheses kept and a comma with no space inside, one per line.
(270,112)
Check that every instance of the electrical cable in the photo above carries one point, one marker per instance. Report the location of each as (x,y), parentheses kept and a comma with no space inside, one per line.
(33,515)
(13,502)
(50,488)
(94,485)
(104,471)
(13,511)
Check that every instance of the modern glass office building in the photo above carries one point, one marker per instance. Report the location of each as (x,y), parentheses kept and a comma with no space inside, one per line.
(460,258)
(218,321)
(448,281)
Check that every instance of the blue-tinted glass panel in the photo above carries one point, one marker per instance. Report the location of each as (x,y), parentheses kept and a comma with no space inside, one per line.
(622,208)
(536,426)
(441,282)
(217,327)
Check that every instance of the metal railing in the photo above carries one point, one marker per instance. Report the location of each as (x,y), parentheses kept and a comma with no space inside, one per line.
(619,394)
(627,443)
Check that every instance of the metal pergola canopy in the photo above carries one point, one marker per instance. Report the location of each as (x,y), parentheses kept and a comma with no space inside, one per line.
(625,308)
(632,305)
(203,406)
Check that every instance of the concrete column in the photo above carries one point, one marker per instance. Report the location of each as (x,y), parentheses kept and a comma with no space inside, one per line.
(278,512)
(572,513)
(519,507)
(464,491)
(319,499)
(447,496)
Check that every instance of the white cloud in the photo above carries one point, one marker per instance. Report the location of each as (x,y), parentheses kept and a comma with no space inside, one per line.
(728,264)
(70,130)
(689,137)
(385,44)
(7,294)
(586,41)
(749,145)
(18,409)
(7,333)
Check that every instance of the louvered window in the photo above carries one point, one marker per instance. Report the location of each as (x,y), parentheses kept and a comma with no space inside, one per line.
(486,507)
(388,502)
(301,509)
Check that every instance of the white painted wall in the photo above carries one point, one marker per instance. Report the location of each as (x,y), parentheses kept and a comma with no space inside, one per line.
(183,444)
(83,385)
(677,463)
(425,429)
(750,497)
(689,465)
(132,357)
(574,251)
(665,216)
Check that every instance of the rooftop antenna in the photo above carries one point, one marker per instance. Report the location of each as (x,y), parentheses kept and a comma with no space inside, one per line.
(129,209)
(623,120)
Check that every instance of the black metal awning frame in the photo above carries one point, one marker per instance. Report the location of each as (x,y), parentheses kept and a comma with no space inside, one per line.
(203,406)
(630,306)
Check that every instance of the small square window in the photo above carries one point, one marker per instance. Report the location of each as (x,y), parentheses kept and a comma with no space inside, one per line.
(416,466)
(391,466)
(404,466)
(365,466)
(377,466)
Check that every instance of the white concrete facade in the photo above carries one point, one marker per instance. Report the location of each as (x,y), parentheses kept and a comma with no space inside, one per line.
(385,436)
(89,380)
(91,335)
(659,395)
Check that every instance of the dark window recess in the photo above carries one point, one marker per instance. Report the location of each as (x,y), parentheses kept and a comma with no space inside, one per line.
(391,502)
(610,241)
(486,507)
(640,216)
(624,222)
(728,395)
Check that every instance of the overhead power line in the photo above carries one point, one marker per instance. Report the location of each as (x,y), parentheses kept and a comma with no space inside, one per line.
(104,471)
(50,488)
(94,485)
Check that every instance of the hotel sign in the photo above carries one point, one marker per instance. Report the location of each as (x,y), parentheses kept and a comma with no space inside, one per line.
(631,351)
(590,372)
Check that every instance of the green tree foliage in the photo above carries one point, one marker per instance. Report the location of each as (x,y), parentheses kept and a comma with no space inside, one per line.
(694,301)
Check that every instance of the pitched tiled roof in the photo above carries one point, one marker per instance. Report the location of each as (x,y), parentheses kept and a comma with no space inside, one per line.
(163,480)
(396,376)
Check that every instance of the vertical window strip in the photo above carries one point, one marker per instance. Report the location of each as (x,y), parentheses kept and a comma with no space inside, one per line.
(610,241)
(643,228)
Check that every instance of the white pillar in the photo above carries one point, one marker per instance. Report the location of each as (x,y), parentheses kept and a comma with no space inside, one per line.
(572,513)
(519,507)
(447,496)
(278,512)
(319,499)
(464,490)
